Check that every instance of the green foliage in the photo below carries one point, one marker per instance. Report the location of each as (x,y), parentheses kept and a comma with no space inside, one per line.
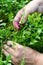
(32,32)
(10,7)
(29,35)
(22,62)
(5,62)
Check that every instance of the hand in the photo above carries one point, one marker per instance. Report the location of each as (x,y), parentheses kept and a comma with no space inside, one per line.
(19,17)
(28,9)
(18,52)
(31,7)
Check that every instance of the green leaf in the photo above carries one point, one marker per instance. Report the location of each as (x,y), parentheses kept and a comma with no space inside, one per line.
(39,31)
(9,64)
(22,62)
(1,20)
(1,61)
(33,42)
(8,58)
(3,24)
(10,16)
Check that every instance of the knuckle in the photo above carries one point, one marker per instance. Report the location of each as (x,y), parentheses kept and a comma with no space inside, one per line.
(17,55)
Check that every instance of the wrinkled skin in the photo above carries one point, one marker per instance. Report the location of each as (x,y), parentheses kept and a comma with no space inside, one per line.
(18,52)
(31,57)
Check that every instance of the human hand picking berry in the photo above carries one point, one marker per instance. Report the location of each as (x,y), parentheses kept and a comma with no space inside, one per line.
(33,6)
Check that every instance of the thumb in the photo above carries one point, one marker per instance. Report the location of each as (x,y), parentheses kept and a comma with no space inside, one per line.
(16,25)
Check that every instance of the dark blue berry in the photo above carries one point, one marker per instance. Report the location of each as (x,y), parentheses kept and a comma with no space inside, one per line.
(10,45)
(19,25)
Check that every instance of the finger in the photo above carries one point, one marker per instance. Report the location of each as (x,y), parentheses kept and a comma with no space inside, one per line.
(11,51)
(5,52)
(18,16)
(24,16)
(14,45)
(16,25)
(13,59)
(10,43)
(17,19)
(18,48)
